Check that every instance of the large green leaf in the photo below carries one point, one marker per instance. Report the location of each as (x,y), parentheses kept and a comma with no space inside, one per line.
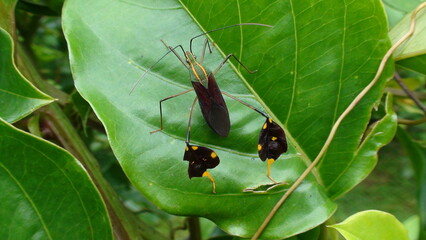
(412,54)
(311,64)
(18,97)
(372,224)
(45,193)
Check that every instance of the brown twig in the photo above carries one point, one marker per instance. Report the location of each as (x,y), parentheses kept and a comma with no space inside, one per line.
(411,122)
(401,93)
(194,228)
(409,93)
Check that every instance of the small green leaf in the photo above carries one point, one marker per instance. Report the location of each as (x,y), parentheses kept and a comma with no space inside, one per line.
(415,45)
(417,63)
(18,97)
(45,192)
(412,224)
(34,125)
(372,224)
(412,54)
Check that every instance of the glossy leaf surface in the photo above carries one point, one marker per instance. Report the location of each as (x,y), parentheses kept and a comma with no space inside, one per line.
(46,194)
(18,97)
(310,64)
(372,224)
(364,160)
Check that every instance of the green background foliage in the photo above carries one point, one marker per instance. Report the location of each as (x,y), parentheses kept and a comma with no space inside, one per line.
(295,70)
(312,62)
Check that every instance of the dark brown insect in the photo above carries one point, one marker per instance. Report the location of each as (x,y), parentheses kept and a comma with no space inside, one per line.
(200,159)
(215,112)
(272,143)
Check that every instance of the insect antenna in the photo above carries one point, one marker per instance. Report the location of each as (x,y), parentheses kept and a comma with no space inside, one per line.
(240,24)
(148,69)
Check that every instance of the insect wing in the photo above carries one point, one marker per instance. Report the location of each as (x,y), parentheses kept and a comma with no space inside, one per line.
(272,141)
(213,106)
(200,159)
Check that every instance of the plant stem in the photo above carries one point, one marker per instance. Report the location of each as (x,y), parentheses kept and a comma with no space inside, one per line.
(194,228)
(409,93)
(411,122)
(401,93)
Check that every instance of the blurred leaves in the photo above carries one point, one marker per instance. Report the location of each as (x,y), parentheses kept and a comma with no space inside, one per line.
(413,226)
(36,8)
(417,155)
(412,54)
(397,9)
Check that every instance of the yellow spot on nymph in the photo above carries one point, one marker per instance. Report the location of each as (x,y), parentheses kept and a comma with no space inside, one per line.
(274,138)
(259,147)
(270,120)
(213,155)
(186,148)
(194,147)
(265,126)
(270,161)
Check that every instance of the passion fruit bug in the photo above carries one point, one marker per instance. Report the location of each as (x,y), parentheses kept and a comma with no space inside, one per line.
(272,141)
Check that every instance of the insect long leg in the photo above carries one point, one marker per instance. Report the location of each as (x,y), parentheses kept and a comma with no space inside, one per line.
(161,109)
(175,53)
(246,104)
(196,154)
(227,58)
(188,133)
(206,44)
(270,161)
(149,69)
